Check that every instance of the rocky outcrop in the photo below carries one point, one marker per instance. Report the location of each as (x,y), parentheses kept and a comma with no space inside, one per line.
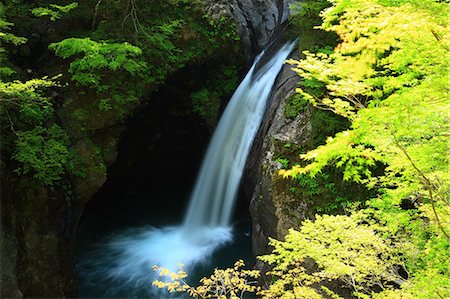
(38,222)
(257,20)
(36,259)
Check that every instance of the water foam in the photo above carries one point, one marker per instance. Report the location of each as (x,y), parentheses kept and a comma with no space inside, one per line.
(123,262)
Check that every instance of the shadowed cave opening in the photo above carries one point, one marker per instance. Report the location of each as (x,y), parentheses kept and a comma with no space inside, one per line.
(159,155)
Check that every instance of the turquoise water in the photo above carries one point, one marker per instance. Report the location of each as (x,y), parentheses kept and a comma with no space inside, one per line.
(95,257)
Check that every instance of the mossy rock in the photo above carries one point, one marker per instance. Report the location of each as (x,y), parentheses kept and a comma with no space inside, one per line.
(295,105)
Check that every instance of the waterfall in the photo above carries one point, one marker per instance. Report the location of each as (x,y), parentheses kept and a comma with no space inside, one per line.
(212,201)
(121,265)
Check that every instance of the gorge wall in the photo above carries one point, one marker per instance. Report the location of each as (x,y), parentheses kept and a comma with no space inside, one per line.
(39,223)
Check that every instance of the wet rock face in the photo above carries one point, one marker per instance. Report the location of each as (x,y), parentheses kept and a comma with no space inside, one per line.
(256,20)
(273,208)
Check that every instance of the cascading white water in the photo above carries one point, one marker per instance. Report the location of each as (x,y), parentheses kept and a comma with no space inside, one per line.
(124,261)
(212,201)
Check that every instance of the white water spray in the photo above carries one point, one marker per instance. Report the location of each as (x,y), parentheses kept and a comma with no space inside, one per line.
(127,258)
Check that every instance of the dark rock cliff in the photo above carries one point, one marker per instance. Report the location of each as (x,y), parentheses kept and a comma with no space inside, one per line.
(38,224)
(36,254)
(257,20)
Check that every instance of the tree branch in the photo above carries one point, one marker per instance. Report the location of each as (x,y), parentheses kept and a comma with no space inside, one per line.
(427,182)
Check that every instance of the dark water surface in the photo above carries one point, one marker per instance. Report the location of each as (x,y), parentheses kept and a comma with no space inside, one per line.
(121,213)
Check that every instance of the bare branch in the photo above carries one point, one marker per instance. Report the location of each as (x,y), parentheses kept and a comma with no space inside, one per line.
(94,17)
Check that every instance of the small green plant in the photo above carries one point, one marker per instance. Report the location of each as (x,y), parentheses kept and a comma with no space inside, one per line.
(283,161)
(7,38)
(80,115)
(206,101)
(295,105)
(104,105)
(218,30)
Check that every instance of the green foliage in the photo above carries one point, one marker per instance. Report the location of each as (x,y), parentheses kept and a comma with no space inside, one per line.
(327,193)
(283,161)
(389,75)
(325,124)
(54,11)
(29,134)
(342,248)
(97,58)
(206,104)
(37,143)
(29,98)
(304,19)
(109,73)
(223,27)
(354,250)
(43,152)
(226,80)
(389,78)
(6,38)
(170,33)
(106,67)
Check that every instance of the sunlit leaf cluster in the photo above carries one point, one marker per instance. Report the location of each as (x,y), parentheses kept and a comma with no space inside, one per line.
(98,58)
(6,38)
(230,283)
(389,76)
(342,248)
(362,252)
